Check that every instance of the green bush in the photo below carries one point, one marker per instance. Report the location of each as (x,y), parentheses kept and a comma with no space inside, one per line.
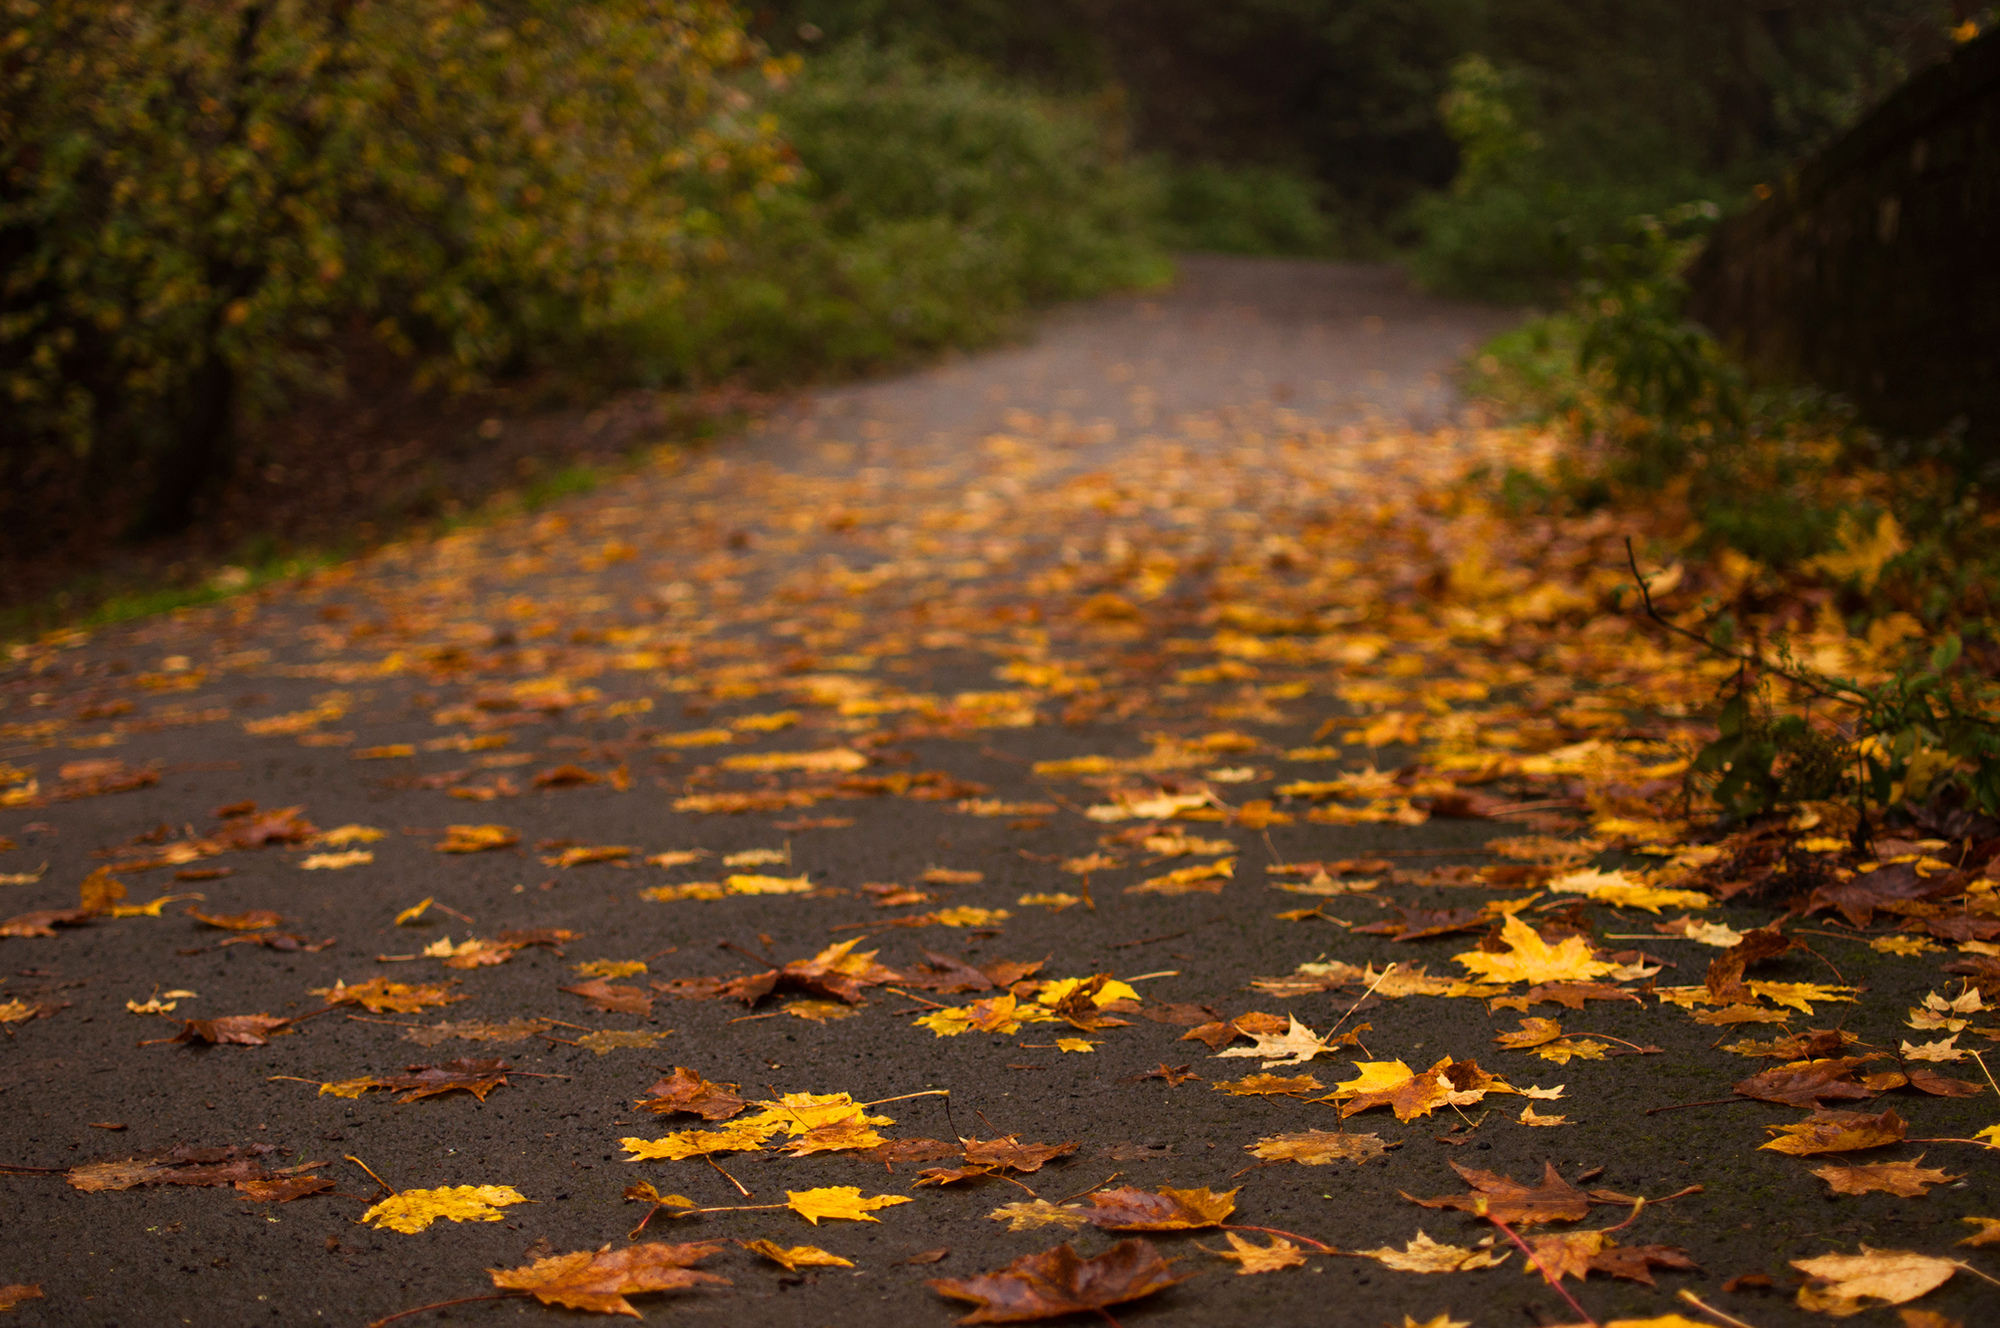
(198,202)
(1244,210)
(936,204)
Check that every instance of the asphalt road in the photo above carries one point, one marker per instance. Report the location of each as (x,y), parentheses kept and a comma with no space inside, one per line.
(868,559)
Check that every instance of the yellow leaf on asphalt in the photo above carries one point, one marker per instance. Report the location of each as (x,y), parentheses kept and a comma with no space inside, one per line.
(796,1257)
(1035,1215)
(1529,1116)
(842,1201)
(335,861)
(414,1210)
(1424,1255)
(1844,1284)
(1531,959)
(1619,890)
(1251,1258)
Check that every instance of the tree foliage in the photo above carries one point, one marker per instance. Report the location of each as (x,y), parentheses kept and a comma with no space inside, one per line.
(198,201)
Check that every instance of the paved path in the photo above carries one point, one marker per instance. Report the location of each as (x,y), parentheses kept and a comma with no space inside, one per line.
(1157,534)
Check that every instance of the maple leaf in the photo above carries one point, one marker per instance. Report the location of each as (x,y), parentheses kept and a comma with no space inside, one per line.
(687,1093)
(842,1201)
(1037,1214)
(1411,1094)
(1295,1046)
(1502,1197)
(1531,959)
(1424,1255)
(1532,1033)
(795,1257)
(1621,891)
(1988,1233)
(1808,1083)
(742,1137)
(1905,1179)
(1058,1282)
(412,1211)
(284,1189)
(1129,1209)
(511,1030)
(476,839)
(1251,1258)
(1316,1148)
(1836,1132)
(611,998)
(1009,1154)
(180,1165)
(1529,1116)
(1267,1085)
(1844,1284)
(242,1030)
(600,1280)
(1204,879)
(381,996)
(335,861)
(253,920)
(476,1077)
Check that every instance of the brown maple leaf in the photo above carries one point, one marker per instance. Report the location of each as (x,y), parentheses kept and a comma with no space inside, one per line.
(242,1030)
(1058,1282)
(1130,1209)
(381,996)
(612,998)
(477,1077)
(254,920)
(181,1164)
(1893,888)
(599,1280)
(686,1093)
(284,1189)
(1808,1083)
(908,1150)
(1268,1085)
(1175,1075)
(1502,1197)
(1317,1148)
(1008,1153)
(1416,924)
(1836,1132)
(1904,1179)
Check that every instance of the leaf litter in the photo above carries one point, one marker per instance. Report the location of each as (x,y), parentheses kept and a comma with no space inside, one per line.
(1444,664)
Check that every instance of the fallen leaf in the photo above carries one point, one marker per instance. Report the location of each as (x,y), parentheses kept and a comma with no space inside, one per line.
(1129,1209)
(412,1211)
(1268,1085)
(1844,1284)
(512,1030)
(795,1257)
(1836,1132)
(180,1165)
(1251,1258)
(242,1030)
(1988,1233)
(604,1041)
(381,996)
(15,1293)
(1424,1255)
(685,1092)
(1905,1179)
(1528,958)
(842,1201)
(284,1189)
(1295,1046)
(476,1077)
(253,920)
(1038,1213)
(476,838)
(1502,1197)
(600,1280)
(1529,1116)
(336,861)
(1058,1282)
(613,999)
(1317,1148)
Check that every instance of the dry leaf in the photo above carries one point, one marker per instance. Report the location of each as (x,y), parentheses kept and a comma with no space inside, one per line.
(613,999)
(1905,1179)
(1295,1046)
(1530,959)
(414,1210)
(1424,1255)
(1988,1233)
(1844,1284)
(1268,1085)
(1317,1148)
(600,1280)
(1129,1209)
(1554,1200)
(476,838)
(1836,1132)
(381,996)
(1038,1213)
(14,1293)
(1058,1282)
(842,1201)
(795,1257)
(1251,1258)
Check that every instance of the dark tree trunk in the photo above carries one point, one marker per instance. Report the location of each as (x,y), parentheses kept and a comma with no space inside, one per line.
(196,450)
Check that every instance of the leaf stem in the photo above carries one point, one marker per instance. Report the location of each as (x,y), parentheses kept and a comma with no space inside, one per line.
(1321,1246)
(442,1304)
(1706,1308)
(377,1179)
(1541,1268)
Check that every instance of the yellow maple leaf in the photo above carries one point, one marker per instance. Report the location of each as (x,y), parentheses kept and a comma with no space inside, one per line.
(802,1113)
(796,1257)
(843,1201)
(1621,891)
(335,861)
(1206,879)
(751,884)
(1251,1258)
(1074,1044)
(1424,1255)
(1531,959)
(414,1210)
(738,1137)
(1036,1214)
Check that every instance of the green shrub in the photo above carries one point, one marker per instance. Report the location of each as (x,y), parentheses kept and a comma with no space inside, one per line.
(935,205)
(1244,210)
(198,201)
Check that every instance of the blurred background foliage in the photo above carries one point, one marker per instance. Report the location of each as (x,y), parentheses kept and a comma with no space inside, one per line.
(210,211)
